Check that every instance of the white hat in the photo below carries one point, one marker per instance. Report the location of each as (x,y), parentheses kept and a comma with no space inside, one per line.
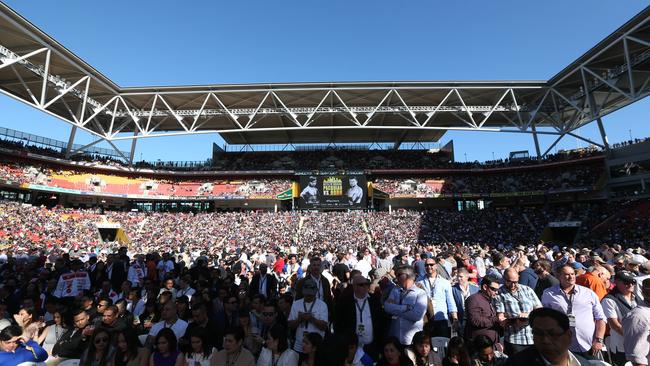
(4,323)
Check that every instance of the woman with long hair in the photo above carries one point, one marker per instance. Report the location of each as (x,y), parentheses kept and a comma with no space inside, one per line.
(166,353)
(52,333)
(128,351)
(420,352)
(311,345)
(200,353)
(393,354)
(277,351)
(100,351)
(252,340)
(26,320)
(457,353)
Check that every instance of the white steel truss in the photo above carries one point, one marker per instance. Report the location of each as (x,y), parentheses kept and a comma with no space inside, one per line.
(49,78)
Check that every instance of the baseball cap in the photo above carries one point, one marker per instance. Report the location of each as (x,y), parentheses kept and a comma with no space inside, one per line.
(625,276)
(577,265)
(309,287)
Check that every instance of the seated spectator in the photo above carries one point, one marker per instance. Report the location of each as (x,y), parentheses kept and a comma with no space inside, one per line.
(52,333)
(200,352)
(166,352)
(311,350)
(28,323)
(75,340)
(457,353)
(393,354)
(233,352)
(485,354)
(277,351)
(420,352)
(128,351)
(99,352)
(15,348)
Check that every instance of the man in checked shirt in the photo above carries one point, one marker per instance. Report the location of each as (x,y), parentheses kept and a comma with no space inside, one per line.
(513,303)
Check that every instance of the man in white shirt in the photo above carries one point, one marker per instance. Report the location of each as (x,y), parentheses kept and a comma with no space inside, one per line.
(169,320)
(137,272)
(184,287)
(308,314)
(616,305)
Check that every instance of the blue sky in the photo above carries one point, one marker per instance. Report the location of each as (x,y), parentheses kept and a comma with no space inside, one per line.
(140,43)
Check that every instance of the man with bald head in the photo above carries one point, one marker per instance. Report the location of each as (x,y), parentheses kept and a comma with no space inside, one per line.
(361,314)
(513,303)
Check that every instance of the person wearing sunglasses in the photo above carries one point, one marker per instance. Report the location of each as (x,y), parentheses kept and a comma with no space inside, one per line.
(361,314)
(99,352)
(481,315)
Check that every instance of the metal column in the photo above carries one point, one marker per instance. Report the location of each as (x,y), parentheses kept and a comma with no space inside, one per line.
(133,142)
(603,135)
(68,149)
(537,150)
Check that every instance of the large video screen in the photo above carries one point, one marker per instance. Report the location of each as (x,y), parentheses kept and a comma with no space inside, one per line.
(332,191)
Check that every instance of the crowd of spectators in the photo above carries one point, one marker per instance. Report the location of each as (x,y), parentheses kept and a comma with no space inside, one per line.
(344,288)
(583,176)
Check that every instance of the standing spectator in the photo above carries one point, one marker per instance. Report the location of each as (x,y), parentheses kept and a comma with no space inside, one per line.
(636,326)
(542,268)
(462,290)
(501,262)
(595,279)
(323,286)
(552,336)
(362,315)
(308,314)
(481,315)
(264,283)
(527,275)
(407,304)
(513,303)
(616,305)
(440,294)
(583,308)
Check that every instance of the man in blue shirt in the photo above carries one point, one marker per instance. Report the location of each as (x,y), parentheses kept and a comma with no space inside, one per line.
(440,294)
(16,349)
(407,304)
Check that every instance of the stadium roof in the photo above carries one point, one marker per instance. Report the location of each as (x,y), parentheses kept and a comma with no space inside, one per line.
(39,71)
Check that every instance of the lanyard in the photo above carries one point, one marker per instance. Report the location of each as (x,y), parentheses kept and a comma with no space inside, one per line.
(402,295)
(262,283)
(432,287)
(304,306)
(319,286)
(569,300)
(360,308)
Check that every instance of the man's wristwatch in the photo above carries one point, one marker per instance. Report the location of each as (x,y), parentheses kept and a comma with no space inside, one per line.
(600,340)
